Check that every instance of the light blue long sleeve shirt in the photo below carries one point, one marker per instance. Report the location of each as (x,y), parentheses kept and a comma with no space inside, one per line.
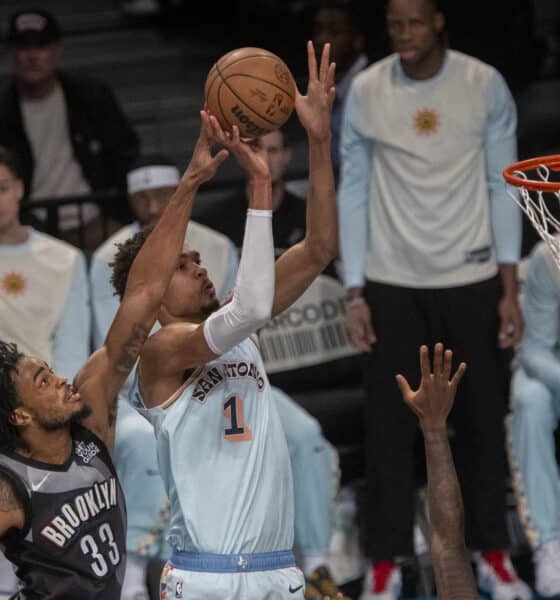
(71,337)
(539,354)
(500,149)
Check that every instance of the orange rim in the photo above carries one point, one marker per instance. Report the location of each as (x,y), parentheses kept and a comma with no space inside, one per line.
(552,162)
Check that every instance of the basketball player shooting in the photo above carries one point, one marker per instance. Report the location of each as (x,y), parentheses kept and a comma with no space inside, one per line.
(202,383)
(62,513)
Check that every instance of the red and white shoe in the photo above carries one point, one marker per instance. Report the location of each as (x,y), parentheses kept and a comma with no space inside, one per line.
(497,577)
(383,581)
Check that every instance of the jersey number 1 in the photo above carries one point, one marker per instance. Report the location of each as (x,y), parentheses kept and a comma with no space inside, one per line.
(238,430)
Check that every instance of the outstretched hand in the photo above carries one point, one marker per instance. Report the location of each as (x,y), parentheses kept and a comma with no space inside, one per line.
(251,155)
(314,109)
(433,400)
(203,165)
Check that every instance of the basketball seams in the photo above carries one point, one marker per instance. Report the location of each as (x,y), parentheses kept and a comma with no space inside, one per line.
(220,104)
(292,98)
(224,82)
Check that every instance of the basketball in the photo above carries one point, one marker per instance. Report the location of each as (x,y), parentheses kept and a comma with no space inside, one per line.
(251,88)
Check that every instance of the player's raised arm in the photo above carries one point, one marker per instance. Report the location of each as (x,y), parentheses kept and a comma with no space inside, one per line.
(300,265)
(432,402)
(183,345)
(104,374)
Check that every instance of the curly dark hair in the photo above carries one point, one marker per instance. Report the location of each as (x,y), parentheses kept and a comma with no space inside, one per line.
(10,438)
(126,253)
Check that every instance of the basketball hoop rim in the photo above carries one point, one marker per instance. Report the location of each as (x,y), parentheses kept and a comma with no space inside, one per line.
(552,162)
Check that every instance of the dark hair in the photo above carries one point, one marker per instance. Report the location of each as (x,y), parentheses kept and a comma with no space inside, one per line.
(10,438)
(348,7)
(9,160)
(124,257)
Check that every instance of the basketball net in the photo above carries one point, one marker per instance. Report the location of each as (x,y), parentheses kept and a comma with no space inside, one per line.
(529,194)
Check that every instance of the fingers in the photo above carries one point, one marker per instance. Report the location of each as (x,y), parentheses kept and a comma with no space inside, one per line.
(311,61)
(324,67)
(220,157)
(438,358)
(447,361)
(329,83)
(404,387)
(425,367)
(458,375)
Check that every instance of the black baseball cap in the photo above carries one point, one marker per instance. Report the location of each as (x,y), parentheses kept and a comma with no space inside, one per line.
(33,26)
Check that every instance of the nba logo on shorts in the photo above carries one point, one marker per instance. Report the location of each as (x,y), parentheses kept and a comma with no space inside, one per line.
(163,581)
(179,589)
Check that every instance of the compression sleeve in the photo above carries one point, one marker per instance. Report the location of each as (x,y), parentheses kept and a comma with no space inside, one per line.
(253,296)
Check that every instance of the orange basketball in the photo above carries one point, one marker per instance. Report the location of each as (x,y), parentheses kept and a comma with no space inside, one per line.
(251,88)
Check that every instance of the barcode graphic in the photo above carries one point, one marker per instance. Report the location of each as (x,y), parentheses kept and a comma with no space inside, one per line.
(282,346)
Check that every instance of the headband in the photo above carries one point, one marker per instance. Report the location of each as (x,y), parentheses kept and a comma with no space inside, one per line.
(148,178)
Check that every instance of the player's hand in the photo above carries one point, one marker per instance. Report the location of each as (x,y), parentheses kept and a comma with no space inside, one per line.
(511,321)
(433,400)
(251,155)
(339,596)
(203,165)
(314,109)
(359,327)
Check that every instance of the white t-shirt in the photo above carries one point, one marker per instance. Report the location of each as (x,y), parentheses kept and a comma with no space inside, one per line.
(56,173)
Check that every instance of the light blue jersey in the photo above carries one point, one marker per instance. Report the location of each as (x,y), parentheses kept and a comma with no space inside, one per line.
(223,458)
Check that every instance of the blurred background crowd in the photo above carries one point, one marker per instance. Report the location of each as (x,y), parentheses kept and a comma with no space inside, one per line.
(91,92)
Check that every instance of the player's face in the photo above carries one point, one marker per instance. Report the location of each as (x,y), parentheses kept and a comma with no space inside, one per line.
(277,154)
(414,27)
(190,292)
(47,399)
(148,205)
(11,192)
(36,64)
(334,26)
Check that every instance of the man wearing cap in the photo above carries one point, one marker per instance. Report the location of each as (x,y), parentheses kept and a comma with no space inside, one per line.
(69,131)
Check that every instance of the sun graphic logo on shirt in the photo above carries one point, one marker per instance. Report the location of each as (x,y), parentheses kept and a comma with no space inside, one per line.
(13,284)
(426,121)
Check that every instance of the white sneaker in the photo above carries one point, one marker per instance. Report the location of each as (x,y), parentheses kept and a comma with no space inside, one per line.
(497,577)
(383,581)
(547,569)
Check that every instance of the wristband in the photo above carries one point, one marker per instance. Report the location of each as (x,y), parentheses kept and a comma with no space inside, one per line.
(356,301)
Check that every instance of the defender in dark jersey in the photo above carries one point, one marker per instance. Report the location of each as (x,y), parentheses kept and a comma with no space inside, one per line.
(62,512)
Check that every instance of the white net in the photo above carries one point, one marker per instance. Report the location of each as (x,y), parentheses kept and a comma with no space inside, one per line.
(533,203)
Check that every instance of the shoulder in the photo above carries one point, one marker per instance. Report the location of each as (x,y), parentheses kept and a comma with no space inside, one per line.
(53,251)
(542,267)
(377,72)
(87,87)
(471,69)
(106,252)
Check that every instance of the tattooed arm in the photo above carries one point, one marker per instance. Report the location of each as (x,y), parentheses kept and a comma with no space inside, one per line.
(105,372)
(11,508)
(432,402)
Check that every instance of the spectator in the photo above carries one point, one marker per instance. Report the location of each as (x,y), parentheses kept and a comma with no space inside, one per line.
(69,131)
(534,418)
(335,22)
(43,285)
(44,318)
(314,462)
(228,214)
(426,225)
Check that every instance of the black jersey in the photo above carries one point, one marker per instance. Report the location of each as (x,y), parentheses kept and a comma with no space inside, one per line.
(72,546)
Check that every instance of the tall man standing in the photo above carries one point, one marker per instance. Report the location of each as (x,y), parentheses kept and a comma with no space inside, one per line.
(430,242)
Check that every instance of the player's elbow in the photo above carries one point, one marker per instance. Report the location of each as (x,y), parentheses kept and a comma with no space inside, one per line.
(323,251)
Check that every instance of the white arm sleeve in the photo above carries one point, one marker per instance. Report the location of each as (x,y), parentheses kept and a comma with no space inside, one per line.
(253,296)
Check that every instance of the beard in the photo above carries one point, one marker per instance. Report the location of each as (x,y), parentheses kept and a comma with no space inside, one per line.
(210,308)
(58,424)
